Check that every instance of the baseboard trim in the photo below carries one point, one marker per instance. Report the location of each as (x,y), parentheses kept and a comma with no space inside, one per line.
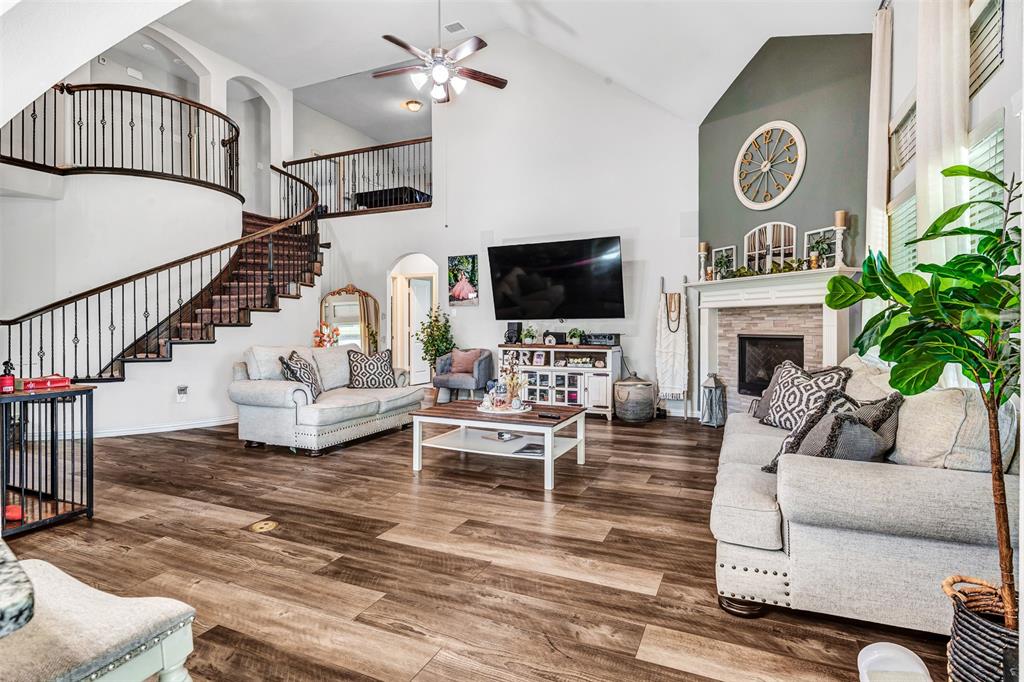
(161,428)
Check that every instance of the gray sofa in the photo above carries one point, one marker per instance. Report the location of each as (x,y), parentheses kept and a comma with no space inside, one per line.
(864,540)
(274,411)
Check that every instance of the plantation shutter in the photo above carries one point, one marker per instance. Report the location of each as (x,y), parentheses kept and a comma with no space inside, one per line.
(903,142)
(986,44)
(902,228)
(986,155)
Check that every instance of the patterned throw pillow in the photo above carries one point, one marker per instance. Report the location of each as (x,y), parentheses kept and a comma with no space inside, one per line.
(298,368)
(371,371)
(798,392)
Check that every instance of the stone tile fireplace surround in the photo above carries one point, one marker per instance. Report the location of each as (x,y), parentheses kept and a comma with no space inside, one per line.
(783,305)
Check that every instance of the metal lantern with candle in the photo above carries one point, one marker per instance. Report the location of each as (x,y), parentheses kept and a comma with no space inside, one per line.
(712,401)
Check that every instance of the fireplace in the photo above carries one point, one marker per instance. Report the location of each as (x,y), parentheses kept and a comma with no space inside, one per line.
(759,355)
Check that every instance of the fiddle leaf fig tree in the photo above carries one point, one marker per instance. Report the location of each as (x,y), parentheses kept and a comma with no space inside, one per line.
(965,312)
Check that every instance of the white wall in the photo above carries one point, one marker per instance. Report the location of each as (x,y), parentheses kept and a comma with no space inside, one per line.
(40,42)
(115,71)
(316,133)
(147,400)
(559,154)
(102,228)
(254,174)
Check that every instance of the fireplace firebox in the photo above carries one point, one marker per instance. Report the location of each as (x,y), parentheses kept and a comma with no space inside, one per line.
(759,355)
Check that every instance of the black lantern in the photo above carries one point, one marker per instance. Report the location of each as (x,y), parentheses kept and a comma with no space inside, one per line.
(712,403)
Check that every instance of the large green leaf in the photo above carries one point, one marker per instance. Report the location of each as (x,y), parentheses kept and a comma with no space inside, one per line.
(870,279)
(928,303)
(915,373)
(956,231)
(890,280)
(951,345)
(844,292)
(900,340)
(913,283)
(973,267)
(966,171)
(874,329)
(949,216)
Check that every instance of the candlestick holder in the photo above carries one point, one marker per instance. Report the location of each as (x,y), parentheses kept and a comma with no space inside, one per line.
(702,260)
(839,230)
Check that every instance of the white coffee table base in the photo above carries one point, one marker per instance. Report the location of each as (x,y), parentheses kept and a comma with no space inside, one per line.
(469,437)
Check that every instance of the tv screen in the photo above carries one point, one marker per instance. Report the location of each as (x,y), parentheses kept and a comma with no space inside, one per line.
(578,279)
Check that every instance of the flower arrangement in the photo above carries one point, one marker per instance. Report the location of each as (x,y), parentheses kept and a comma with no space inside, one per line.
(326,336)
(509,373)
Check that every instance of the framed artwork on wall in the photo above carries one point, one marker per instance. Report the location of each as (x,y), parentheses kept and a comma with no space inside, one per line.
(463,280)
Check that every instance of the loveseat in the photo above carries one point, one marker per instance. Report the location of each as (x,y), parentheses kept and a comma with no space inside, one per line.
(865,540)
(275,411)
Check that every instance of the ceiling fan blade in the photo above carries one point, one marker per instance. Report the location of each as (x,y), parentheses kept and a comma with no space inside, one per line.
(411,49)
(465,48)
(481,77)
(398,70)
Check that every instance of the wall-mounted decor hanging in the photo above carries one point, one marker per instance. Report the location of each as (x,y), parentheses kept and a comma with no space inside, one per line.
(463,280)
(769,165)
(768,244)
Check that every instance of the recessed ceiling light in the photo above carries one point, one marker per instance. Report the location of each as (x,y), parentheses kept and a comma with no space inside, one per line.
(147,46)
(412,105)
(455,27)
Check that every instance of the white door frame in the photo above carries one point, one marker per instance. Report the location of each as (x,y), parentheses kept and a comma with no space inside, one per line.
(400,331)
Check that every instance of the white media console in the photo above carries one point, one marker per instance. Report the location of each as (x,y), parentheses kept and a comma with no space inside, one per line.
(569,375)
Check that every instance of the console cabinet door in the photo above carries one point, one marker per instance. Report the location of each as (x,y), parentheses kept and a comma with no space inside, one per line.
(599,390)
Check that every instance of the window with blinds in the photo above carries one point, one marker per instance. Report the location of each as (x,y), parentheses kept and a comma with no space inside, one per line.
(903,228)
(986,43)
(903,142)
(986,154)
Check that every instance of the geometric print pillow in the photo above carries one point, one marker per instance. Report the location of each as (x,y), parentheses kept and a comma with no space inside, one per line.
(298,368)
(371,371)
(798,392)
(834,402)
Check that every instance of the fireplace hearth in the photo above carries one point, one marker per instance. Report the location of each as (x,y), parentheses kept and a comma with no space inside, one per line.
(759,355)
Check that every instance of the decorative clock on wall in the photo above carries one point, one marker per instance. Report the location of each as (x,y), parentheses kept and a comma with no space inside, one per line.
(769,165)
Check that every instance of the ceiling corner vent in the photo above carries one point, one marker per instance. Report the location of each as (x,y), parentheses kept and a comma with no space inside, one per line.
(454,27)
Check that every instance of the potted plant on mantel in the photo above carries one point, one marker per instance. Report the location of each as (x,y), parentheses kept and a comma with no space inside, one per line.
(435,335)
(575,336)
(968,314)
(529,334)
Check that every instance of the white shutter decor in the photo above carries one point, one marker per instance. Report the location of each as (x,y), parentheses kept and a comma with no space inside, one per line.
(903,142)
(903,228)
(986,44)
(986,154)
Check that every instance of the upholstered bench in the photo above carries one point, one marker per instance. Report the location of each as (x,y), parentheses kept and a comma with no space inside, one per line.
(80,633)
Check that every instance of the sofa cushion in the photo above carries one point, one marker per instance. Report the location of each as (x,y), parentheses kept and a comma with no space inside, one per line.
(463,360)
(747,441)
(797,392)
(744,509)
(458,381)
(391,398)
(77,630)
(339,405)
(869,381)
(949,428)
(332,363)
(263,362)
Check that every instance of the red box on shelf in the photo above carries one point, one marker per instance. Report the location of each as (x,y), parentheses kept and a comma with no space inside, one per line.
(36,383)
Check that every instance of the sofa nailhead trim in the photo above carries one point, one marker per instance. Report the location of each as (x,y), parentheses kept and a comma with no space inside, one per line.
(142,647)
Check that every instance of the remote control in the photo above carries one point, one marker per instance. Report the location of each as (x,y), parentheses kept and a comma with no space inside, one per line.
(547,415)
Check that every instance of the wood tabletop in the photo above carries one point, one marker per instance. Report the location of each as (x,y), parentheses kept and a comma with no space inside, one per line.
(466,409)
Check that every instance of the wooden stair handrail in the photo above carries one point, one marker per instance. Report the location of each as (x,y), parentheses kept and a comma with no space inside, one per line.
(276,227)
(361,150)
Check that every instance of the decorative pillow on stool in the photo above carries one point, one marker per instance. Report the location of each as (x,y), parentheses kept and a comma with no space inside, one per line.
(298,368)
(463,360)
(798,392)
(371,371)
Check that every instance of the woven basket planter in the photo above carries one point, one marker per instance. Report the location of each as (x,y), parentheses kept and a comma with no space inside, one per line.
(978,640)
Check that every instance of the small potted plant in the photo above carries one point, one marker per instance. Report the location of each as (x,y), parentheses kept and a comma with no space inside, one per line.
(529,334)
(574,336)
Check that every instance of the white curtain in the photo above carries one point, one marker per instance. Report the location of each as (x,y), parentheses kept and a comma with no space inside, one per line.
(876,221)
(943,105)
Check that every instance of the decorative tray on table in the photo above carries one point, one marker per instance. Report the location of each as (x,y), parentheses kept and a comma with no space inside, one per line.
(503,410)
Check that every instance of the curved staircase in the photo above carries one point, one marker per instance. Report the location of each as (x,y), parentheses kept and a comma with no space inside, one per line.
(91,336)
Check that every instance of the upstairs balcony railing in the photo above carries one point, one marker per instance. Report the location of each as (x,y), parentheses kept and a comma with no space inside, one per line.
(387,177)
(110,128)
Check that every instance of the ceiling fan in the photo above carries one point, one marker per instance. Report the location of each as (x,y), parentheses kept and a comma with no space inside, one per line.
(441,66)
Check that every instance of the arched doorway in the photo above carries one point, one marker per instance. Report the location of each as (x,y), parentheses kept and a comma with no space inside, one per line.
(248,108)
(412,292)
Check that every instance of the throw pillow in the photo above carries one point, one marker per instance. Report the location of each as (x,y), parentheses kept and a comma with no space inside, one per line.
(834,401)
(463,360)
(371,371)
(298,368)
(761,411)
(798,392)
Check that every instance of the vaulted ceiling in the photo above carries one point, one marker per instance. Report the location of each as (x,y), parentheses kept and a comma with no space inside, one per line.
(680,55)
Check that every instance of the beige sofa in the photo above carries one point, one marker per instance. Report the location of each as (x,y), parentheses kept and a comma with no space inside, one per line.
(864,540)
(274,411)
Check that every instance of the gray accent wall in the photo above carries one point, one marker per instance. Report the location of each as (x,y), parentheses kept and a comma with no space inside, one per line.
(820,84)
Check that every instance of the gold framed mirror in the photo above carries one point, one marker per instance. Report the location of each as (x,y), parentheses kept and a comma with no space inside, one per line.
(355,314)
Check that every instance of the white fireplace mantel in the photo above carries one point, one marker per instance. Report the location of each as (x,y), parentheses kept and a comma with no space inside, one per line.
(805,287)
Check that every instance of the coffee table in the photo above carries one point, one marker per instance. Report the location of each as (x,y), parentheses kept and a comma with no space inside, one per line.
(474,427)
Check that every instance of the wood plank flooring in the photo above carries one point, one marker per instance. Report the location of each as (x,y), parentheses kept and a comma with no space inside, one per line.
(468,570)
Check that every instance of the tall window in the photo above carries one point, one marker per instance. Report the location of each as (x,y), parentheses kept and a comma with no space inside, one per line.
(903,142)
(986,154)
(902,228)
(986,42)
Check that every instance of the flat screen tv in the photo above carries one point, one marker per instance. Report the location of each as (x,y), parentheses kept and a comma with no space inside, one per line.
(578,279)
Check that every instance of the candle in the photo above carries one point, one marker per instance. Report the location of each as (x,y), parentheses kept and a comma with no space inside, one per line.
(840,218)
(704,247)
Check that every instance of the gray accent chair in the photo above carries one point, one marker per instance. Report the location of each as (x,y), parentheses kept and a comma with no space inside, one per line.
(444,378)
(274,411)
(75,632)
(871,541)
